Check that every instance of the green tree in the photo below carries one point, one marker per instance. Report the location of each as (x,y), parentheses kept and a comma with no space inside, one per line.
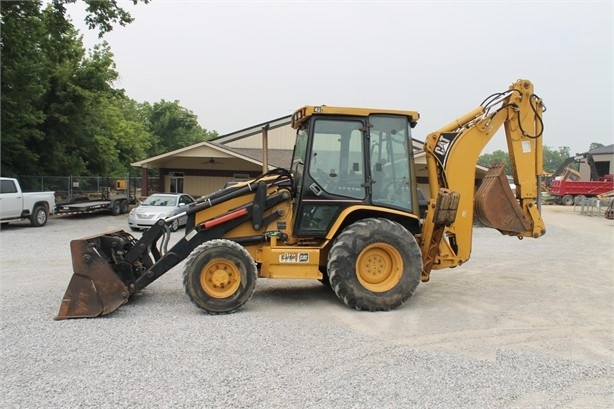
(498,156)
(173,127)
(120,136)
(100,14)
(553,158)
(75,83)
(23,85)
(60,112)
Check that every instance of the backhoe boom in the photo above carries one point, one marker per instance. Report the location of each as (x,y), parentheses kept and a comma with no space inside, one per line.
(452,153)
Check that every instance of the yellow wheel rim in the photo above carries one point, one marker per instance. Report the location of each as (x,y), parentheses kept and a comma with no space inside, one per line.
(379,267)
(220,278)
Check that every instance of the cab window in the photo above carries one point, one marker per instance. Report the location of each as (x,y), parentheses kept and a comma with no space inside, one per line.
(390,155)
(336,163)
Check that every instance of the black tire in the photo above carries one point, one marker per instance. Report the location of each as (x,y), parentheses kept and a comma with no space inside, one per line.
(374,265)
(124,207)
(39,216)
(116,208)
(567,200)
(174,225)
(580,200)
(134,228)
(220,276)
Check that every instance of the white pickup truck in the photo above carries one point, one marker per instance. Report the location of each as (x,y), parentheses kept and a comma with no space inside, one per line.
(16,205)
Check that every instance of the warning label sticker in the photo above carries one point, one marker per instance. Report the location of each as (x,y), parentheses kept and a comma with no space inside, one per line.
(294,258)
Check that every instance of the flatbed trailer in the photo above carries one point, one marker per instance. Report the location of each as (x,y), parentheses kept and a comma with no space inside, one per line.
(114,206)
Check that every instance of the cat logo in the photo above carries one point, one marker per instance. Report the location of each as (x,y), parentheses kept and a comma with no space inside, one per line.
(442,146)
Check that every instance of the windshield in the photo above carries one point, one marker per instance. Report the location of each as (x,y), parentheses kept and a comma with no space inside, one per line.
(160,200)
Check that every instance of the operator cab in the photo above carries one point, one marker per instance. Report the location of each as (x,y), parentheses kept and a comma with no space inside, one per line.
(351,158)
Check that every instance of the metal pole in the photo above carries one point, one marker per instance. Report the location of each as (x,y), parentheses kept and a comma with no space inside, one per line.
(265,150)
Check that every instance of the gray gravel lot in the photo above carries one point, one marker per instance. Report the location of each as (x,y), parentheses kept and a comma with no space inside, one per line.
(524,324)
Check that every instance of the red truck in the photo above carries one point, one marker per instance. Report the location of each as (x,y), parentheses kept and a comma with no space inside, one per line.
(566,190)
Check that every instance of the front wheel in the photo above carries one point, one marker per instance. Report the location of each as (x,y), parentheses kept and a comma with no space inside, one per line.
(39,216)
(220,276)
(375,265)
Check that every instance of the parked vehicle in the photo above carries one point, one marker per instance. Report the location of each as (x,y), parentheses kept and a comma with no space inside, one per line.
(567,186)
(160,206)
(16,205)
(566,191)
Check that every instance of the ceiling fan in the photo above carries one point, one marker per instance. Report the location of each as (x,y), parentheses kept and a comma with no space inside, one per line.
(213,161)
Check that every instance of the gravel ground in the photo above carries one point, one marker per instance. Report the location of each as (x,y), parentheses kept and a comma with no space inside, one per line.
(524,324)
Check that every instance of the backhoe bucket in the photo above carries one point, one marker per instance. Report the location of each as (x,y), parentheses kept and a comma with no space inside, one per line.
(95,288)
(496,206)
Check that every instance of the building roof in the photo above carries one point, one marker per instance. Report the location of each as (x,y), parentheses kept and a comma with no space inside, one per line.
(199,156)
(252,130)
(279,158)
(609,149)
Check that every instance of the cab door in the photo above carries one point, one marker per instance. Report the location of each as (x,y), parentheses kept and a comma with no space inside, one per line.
(11,200)
(334,175)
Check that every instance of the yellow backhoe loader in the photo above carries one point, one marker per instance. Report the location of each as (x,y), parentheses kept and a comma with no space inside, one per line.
(346,213)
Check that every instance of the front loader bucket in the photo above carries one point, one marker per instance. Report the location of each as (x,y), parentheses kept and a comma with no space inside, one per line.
(496,206)
(95,288)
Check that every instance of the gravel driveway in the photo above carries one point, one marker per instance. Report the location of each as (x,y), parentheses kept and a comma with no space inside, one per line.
(524,324)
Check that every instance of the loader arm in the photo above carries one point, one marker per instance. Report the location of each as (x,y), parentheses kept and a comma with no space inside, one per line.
(110,268)
(452,153)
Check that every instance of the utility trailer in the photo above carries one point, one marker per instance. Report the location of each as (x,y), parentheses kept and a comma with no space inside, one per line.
(114,206)
(106,198)
(565,191)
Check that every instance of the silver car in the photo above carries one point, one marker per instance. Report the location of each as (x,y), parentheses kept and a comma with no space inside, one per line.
(160,206)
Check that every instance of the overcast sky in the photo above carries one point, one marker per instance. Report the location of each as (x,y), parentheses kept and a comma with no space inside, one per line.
(237,64)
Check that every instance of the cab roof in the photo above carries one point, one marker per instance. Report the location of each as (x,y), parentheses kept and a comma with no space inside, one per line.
(302,114)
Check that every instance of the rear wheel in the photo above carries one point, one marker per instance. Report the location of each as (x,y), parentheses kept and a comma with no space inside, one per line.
(124,207)
(375,265)
(567,200)
(39,216)
(116,208)
(579,200)
(220,276)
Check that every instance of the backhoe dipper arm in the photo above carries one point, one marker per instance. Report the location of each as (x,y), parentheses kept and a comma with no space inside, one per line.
(452,153)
